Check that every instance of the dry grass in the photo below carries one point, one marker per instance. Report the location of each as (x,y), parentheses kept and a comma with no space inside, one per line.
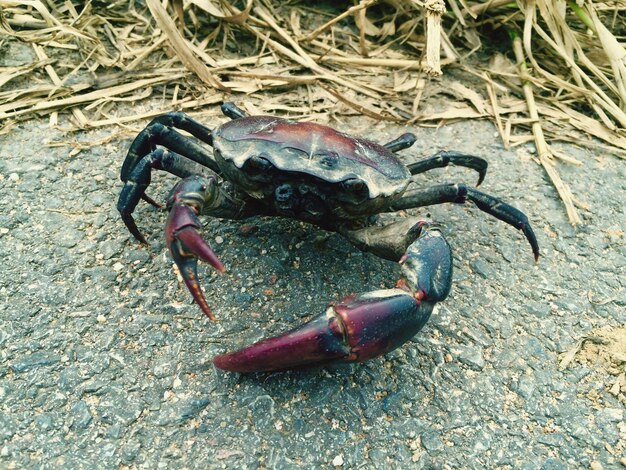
(542,70)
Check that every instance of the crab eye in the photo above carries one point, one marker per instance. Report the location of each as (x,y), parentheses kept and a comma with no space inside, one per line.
(354,185)
(259,163)
(329,160)
(354,190)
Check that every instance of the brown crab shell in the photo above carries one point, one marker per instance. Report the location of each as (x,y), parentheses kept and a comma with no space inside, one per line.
(313,149)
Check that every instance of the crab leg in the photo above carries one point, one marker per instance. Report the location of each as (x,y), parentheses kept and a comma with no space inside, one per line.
(401,143)
(232,111)
(460,193)
(162,131)
(444,158)
(361,326)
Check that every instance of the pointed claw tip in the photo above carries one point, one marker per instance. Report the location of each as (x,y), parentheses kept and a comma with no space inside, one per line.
(217,265)
(141,239)
(227,363)
(205,307)
(222,362)
(152,202)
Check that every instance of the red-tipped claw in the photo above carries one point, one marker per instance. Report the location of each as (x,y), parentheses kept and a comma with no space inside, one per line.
(362,326)
(356,329)
(184,240)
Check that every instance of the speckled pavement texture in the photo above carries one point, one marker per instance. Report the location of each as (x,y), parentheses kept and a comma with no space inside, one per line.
(105,362)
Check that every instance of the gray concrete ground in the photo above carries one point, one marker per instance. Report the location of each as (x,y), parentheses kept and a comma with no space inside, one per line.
(105,362)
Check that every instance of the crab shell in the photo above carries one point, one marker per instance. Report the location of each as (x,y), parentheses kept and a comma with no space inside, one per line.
(351,175)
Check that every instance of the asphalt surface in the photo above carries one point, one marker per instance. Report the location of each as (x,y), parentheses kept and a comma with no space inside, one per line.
(105,362)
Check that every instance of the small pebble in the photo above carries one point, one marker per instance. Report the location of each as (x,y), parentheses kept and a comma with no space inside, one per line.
(338,461)
(248,229)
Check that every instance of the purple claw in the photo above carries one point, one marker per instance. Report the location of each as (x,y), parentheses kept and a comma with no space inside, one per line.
(356,329)
(361,326)
(192,241)
(316,342)
(186,246)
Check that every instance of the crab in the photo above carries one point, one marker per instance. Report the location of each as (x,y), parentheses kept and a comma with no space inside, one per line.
(270,166)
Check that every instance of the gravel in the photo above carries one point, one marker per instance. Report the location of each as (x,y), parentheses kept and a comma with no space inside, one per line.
(105,362)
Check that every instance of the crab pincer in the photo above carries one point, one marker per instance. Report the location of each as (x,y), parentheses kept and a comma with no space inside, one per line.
(183,237)
(361,326)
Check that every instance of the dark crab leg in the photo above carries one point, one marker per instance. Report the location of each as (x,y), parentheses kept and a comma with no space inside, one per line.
(162,131)
(444,158)
(460,193)
(441,159)
(361,326)
(401,143)
(232,111)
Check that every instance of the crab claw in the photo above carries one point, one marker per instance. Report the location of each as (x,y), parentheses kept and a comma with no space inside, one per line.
(361,326)
(184,241)
(358,328)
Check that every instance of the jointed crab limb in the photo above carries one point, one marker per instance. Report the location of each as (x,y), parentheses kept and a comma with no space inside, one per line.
(232,111)
(444,158)
(460,193)
(161,131)
(139,179)
(441,159)
(362,326)
(401,143)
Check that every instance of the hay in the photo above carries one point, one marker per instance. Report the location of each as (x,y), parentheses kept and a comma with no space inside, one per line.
(556,69)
